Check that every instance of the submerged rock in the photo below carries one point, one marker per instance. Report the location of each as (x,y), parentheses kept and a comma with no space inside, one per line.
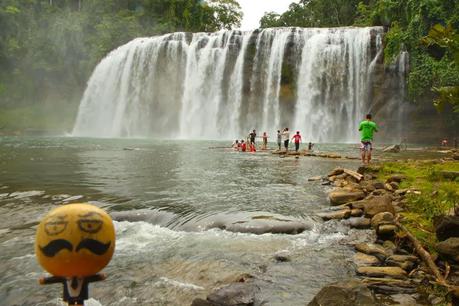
(236,294)
(345,293)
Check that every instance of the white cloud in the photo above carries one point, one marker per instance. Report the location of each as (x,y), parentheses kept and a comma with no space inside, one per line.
(255,9)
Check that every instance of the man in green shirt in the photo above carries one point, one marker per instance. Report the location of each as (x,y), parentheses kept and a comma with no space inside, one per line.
(367,128)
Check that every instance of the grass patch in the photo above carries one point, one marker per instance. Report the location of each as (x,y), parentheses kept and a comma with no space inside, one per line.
(436,195)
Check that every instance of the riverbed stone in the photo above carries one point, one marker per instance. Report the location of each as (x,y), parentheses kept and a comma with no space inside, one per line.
(345,293)
(377,204)
(382,218)
(386,230)
(402,258)
(336,215)
(235,294)
(356,212)
(446,227)
(449,248)
(390,285)
(391,272)
(372,249)
(362,259)
(360,223)
(315,178)
(342,196)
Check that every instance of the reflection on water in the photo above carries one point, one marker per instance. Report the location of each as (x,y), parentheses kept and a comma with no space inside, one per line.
(156,265)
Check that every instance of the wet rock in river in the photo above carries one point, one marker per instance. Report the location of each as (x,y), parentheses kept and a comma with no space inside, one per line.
(264,226)
(236,294)
(283,256)
(336,215)
(345,293)
(360,223)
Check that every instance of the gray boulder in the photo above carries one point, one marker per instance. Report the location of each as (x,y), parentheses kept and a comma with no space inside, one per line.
(376,204)
(345,293)
(235,294)
(447,227)
(449,248)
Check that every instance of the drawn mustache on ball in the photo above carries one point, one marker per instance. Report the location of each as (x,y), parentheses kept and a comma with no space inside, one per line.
(55,246)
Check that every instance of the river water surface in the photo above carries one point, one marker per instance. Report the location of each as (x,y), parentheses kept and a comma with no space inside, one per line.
(172,259)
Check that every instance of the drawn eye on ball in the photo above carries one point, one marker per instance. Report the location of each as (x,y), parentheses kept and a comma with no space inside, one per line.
(56,225)
(89,225)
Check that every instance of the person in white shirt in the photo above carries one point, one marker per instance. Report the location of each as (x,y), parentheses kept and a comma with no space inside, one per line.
(285,138)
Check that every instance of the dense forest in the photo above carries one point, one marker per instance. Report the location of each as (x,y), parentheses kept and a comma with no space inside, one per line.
(427,29)
(48,48)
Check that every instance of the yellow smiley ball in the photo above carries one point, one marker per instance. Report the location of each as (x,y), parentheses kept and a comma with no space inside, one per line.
(75,240)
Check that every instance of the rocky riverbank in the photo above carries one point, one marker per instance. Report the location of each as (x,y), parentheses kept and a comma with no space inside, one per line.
(406,264)
(397,269)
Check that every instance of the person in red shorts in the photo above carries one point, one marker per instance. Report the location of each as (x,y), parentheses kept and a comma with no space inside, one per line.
(297,139)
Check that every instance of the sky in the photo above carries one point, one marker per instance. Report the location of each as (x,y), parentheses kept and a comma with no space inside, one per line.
(255,9)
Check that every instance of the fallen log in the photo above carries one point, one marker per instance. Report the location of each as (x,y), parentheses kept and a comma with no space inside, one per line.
(425,256)
(354,174)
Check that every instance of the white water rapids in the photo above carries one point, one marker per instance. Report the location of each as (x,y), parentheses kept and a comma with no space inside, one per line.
(222,85)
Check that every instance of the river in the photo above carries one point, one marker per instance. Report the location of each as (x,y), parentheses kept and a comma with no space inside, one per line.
(174,259)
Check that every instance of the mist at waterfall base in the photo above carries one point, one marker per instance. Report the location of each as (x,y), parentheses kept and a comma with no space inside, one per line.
(222,85)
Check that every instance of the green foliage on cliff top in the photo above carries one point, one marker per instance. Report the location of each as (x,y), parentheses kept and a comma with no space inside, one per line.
(432,70)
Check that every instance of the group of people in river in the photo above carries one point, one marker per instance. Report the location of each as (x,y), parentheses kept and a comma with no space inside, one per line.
(282,138)
(367,128)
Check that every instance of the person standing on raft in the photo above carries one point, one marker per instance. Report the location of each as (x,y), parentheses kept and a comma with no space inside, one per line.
(297,139)
(367,128)
(279,139)
(286,138)
(265,141)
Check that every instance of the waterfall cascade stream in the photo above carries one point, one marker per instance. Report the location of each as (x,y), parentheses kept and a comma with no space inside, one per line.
(221,85)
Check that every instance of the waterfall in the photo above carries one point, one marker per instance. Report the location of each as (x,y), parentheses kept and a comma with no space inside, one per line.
(221,85)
